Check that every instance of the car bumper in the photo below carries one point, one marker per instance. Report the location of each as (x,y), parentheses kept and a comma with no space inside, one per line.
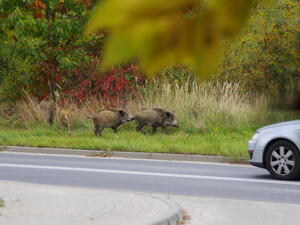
(257,164)
(255,157)
(251,148)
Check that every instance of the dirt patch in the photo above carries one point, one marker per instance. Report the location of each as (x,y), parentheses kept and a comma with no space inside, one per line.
(186,218)
(2,203)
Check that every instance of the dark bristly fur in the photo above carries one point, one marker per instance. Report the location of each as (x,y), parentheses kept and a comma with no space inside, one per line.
(155,117)
(109,118)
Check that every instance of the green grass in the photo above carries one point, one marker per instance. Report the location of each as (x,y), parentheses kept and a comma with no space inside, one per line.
(231,143)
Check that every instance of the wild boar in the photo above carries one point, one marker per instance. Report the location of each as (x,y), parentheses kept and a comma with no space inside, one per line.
(48,108)
(109,118)
(155,117)
(65,118)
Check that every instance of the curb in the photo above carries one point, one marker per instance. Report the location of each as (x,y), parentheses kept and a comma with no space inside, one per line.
(174,217)
(119,154)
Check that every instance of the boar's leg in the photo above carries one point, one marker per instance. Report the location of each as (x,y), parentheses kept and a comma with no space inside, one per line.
(98,130)
(154,129)
(115,129)
(50,117)
(140,127)
(65,124)
(165,130)
(67,127)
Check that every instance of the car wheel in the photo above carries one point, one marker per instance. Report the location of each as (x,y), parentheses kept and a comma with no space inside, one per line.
(283,160)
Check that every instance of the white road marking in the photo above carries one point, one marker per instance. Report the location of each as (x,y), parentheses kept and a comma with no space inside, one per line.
(140,173)
(128,159)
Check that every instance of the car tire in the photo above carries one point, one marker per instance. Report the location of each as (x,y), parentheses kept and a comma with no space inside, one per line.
(283,160)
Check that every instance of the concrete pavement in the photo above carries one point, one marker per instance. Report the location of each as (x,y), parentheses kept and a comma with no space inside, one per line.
(34,204)
(221,211)
(211,194)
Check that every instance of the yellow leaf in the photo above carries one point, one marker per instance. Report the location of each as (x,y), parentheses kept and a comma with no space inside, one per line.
(232,15)
(160,34)
(118,49)
(112,13)
(205,44)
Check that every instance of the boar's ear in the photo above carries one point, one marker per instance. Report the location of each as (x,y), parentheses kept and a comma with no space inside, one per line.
(122,113)
(168,114)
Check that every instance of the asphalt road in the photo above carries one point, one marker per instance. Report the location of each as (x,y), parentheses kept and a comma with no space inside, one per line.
(165,177)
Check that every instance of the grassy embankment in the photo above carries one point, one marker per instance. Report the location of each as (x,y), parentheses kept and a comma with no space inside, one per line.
(214,143)
(215,120)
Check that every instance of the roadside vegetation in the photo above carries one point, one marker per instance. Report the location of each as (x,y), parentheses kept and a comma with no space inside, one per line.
(213,121)
(44,50)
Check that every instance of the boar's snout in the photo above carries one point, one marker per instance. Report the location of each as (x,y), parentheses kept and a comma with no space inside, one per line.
(169,120)
(171,123)
(174,123)
(130,118)
(125,117)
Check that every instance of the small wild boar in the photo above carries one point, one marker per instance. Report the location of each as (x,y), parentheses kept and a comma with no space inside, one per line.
(109,118)
(47,106)
(155,117)
(65,119)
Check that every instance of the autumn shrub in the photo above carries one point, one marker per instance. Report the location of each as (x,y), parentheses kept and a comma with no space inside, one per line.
(42,42)
(266,56)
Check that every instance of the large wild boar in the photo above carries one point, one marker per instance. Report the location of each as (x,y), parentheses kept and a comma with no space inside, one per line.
(109,118)
(48,108)
(155,117)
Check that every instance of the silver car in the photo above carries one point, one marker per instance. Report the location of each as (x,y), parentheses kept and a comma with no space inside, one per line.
(277,148)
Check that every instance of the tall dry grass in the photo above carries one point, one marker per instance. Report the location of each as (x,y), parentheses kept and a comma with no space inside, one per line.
(205,105)
(197,106)
(29,112)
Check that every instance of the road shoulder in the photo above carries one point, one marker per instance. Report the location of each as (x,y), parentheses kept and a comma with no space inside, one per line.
(120,154)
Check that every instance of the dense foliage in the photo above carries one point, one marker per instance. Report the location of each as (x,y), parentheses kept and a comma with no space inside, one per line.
(42,44)
(266,57)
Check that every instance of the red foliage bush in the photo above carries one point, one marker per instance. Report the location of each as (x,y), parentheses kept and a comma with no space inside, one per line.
(112,87)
